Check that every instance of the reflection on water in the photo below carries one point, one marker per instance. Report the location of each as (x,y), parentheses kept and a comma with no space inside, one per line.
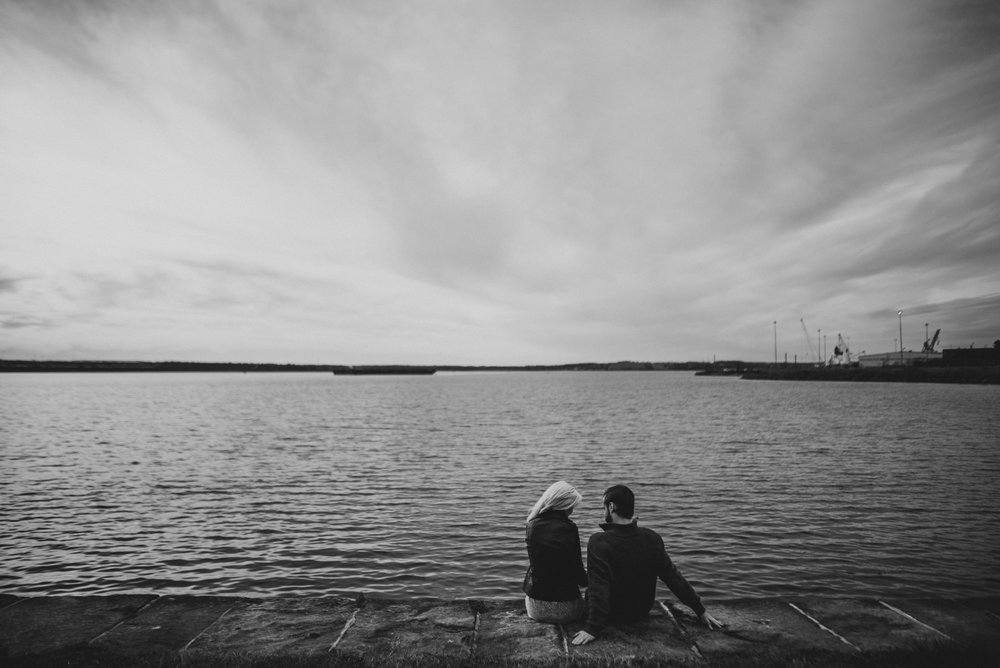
(322,484)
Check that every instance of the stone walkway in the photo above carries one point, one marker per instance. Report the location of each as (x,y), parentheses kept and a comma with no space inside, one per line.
(149,630)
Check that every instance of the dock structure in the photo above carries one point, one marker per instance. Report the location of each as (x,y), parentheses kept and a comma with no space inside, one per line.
(152,630)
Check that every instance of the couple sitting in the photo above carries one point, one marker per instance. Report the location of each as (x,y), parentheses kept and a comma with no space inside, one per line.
(623,563)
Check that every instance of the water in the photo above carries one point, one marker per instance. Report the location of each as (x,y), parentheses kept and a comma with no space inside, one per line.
(310,484)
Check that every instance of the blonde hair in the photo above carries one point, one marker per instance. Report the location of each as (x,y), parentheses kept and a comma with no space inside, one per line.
(559,496)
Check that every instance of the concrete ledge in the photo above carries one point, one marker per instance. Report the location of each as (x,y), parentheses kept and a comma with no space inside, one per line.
(149,630)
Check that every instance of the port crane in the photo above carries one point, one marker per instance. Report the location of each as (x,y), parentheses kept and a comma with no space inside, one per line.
(931,342)
(841,352)
(809,343)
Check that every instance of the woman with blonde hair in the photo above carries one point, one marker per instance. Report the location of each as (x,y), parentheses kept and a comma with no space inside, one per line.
(555,571)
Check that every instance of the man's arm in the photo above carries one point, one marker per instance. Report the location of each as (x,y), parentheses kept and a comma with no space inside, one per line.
(682,589)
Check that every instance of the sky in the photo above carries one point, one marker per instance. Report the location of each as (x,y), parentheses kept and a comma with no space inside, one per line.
(496,182)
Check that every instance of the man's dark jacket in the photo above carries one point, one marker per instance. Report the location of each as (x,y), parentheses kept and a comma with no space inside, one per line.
(556,571)
(623,563)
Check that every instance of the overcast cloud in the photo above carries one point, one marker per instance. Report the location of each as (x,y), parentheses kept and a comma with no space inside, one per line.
(454,182)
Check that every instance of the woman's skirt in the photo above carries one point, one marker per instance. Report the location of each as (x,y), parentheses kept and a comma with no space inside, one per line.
(555,612)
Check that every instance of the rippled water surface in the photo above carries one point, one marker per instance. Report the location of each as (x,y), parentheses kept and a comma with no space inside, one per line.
(320,484)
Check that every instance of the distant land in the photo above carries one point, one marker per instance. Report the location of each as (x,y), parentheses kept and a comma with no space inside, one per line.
(976,367)
(13,366)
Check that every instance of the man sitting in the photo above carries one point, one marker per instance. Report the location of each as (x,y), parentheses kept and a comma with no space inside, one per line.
(623,563)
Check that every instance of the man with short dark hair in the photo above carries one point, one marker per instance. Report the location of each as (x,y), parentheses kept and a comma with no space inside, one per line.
(623,564)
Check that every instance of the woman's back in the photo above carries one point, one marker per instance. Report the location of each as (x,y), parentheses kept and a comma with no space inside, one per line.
(556,564)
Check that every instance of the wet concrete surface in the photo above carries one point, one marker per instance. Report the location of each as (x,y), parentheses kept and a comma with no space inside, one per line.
(126,630)
(304,627)
(506,635)
(409,632)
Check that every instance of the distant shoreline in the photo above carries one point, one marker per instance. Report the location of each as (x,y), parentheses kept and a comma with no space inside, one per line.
(987,374)
(105,366)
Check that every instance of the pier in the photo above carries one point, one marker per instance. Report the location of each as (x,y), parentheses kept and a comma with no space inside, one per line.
(152,630)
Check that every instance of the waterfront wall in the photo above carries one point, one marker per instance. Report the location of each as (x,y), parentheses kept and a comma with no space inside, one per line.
(150,630)
(971,356)
(981,375)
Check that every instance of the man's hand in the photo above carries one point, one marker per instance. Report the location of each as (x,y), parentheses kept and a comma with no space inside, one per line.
(582,638)
(708,620)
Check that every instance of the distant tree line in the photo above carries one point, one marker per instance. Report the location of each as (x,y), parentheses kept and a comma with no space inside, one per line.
(122,366)
(106,365)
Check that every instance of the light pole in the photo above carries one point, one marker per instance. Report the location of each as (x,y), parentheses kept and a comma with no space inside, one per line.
(818,351)
(775,343)
(926,341)
(900,338)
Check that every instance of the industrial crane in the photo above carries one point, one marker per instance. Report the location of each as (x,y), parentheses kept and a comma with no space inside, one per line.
(931,342)
(841,353)
(809,343)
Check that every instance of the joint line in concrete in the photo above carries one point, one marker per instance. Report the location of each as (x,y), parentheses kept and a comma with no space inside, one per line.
(475,635)
(827,629)
(348,624)
(917,621)
(6,607)
(670,614)
(204,630)
(683,631)
(123,620)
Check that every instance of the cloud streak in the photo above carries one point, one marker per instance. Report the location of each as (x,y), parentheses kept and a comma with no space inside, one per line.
(440,182)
